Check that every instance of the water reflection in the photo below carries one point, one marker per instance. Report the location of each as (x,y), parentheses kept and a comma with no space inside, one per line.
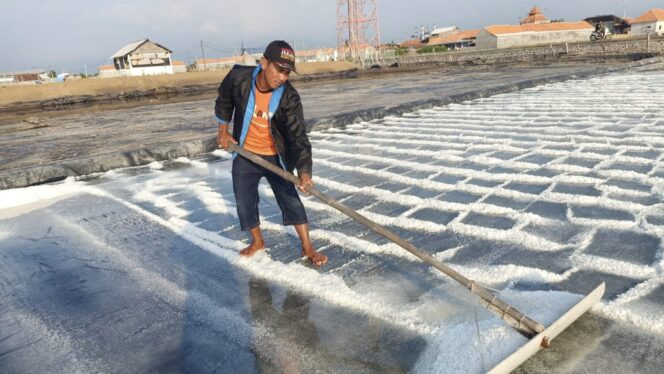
(305,336)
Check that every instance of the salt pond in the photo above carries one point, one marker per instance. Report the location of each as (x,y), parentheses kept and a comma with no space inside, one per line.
(541,194)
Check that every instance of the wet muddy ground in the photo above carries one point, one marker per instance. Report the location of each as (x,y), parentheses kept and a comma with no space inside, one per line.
(44,140)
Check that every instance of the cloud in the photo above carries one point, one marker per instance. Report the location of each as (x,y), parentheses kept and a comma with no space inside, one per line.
(71,33)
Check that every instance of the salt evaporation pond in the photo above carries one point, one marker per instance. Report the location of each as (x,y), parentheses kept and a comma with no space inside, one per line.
(541,194)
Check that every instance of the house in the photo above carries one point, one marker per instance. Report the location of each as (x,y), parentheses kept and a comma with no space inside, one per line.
(225,62)
(179,66)
(143,57)
(353,53)
(107,71)
(535,17)
(26,76)
(442,32)
(515,36)
(216,63)
(616,25)
(413,43)
(316,55)
(462,39)
(535,29)
(650,22)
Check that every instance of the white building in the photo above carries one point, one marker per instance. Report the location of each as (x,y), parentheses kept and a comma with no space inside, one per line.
(515,36)
(650,22)
(316,55)
(179,66)
(442,32)
(108,71)
(217,63)
(26,76)
(143,57)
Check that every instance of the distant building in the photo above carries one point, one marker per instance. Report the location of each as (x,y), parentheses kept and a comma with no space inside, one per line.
(462,39)
(316,55)
(514,36)
(616,25)
(535,17)
(107,71)
(179,66)
(26,76)
(354,53)
(412,43)
(650,22)
(442,32)
(224,62)
(143,57)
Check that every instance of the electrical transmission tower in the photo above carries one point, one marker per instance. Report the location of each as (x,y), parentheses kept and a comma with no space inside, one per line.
(357,27)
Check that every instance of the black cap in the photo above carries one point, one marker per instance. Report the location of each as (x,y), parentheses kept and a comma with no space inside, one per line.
(281,53)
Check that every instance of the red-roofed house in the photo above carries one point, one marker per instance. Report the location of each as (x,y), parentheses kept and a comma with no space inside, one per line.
(412,43)
(515,36)
(458,40)
(650,22)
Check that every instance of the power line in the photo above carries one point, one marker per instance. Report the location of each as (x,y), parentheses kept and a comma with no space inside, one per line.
(203,50)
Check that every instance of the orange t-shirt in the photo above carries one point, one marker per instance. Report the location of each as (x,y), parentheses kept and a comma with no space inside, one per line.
(259,139)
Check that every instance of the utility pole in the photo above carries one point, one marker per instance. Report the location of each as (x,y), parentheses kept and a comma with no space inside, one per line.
(203,51)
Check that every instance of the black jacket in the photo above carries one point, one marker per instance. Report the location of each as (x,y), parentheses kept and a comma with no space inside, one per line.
(286,124)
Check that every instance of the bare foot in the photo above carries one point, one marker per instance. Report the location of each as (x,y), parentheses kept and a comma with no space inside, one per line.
(252,249)
(315,258)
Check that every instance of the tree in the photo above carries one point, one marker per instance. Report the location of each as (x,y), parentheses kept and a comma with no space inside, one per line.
(431,48)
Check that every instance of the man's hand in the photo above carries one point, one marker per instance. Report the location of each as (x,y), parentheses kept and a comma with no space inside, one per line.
(223,137)
(305,181)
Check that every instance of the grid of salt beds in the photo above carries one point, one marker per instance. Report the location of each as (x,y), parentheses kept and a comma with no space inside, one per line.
(559,186)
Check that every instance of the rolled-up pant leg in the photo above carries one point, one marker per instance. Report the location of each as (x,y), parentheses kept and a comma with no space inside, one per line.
(292,210)
(246,176)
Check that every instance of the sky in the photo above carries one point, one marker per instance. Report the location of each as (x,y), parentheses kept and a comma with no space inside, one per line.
(70,35)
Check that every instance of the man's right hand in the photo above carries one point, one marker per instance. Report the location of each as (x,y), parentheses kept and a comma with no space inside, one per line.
(223,137)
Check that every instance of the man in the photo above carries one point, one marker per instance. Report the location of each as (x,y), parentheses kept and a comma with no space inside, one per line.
(269,122)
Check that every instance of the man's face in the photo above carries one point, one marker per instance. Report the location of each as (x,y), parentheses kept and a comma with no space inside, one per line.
(275,75)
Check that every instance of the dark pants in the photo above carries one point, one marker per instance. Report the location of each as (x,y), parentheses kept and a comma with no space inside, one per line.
(246,176)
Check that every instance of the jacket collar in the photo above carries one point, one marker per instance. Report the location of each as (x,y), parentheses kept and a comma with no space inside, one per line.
(276,93)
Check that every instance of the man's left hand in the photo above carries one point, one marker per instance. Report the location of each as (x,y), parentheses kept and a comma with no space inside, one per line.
(305,181)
